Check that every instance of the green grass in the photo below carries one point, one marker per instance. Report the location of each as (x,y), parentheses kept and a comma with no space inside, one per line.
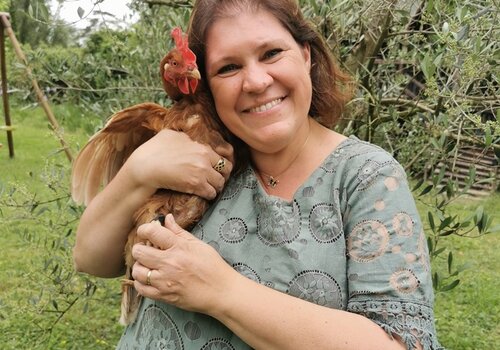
(28,284)
(468,317)
(36,268)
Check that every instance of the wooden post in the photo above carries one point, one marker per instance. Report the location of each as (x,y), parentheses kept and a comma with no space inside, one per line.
(5,94)
(42,99)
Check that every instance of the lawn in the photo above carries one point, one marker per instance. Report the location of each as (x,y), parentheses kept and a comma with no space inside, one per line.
(44,304)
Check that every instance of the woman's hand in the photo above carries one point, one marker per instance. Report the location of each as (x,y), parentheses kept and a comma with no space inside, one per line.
(172,160)
(168,160)
(185,271)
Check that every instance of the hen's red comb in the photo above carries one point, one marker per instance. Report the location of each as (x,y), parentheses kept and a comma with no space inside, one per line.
(181,42)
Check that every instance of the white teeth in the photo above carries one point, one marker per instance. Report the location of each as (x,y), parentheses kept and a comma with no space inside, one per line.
(265,107)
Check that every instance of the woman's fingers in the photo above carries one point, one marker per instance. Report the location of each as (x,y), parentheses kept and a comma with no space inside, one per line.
(144,275)
(158,235)
(172,160)
(226,151)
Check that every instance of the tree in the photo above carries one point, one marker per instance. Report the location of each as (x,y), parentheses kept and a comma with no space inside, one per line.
(33,24)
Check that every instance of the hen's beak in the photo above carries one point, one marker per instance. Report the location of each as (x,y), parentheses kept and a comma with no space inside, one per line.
(194,73)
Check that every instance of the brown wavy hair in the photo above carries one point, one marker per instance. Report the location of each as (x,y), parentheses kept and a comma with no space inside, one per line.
(330,84)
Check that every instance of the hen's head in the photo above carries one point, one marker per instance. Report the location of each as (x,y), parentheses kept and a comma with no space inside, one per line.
(178,68)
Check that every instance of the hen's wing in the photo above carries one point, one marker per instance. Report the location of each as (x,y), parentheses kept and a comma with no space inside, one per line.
(106,152)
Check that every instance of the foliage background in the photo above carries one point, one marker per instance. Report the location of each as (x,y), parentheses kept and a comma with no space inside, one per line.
(426,83)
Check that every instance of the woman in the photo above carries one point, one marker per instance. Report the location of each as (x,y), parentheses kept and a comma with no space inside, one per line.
(315,244)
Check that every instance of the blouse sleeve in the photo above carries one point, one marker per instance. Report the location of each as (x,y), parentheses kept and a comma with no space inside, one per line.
(388,271)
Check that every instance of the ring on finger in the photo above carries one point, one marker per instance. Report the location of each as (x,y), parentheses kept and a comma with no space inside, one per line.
(148,277)
(220,164)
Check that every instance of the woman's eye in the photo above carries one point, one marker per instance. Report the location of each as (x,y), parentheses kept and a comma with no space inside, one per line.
(227,69)
(272,53)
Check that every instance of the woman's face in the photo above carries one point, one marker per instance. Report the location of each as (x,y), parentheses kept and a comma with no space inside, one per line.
(259,78)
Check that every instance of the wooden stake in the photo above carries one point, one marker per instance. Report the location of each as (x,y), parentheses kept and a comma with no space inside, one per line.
(42,99)
(5,95)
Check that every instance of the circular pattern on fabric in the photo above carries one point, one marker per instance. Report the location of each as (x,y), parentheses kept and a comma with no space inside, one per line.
(198,231)
(192,330)
(404,281)
(367,174)
(317,287)
(249,179)
(150,336)
(247,271)
(339,154)
(324,223)
(330,164)
(379,205)
(234,230)
(423,252)
(308,192)
(218,344)
(391,183)
(278,222)
(231,189)
(367,241)
(403,224)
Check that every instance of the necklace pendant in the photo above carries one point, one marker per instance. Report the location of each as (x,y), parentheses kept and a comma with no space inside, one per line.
(272,182)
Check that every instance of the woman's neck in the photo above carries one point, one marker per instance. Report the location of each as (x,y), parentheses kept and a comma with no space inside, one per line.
(283,172)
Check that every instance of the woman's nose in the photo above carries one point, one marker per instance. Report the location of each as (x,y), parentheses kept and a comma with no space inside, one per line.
(257,79)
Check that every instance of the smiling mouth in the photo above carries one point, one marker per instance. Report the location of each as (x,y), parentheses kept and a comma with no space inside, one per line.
(265,107)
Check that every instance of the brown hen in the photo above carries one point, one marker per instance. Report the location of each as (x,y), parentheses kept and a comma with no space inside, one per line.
(106,152)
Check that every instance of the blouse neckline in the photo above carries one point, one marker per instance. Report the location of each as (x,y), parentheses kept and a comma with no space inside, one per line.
(261,191)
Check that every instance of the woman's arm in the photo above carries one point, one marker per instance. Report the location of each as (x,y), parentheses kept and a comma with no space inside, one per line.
(191,275)
(168,160)
(268,319)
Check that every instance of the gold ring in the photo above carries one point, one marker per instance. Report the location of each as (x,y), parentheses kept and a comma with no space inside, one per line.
(220,164)
(148,278)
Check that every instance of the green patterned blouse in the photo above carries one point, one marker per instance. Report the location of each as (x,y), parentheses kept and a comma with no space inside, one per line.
(351,239)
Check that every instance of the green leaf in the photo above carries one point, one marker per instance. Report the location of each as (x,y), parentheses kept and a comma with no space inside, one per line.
(426,190)
(427,66)
(446,222)
(80,12)
(472,174)
(446,233)
(435,280)
(440,177)
(417,186)
(479,214)
(431,221)
(450,261)
(450,191)
(487,137)
(439,251)
(430,245)
(450,286)
(463,33)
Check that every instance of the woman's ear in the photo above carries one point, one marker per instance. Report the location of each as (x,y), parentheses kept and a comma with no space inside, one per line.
(306,52)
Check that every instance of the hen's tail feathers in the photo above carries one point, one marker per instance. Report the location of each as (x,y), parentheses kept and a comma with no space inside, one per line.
(131,301)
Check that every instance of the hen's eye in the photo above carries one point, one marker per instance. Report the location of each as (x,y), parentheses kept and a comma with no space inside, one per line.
(272,53)
(227,69)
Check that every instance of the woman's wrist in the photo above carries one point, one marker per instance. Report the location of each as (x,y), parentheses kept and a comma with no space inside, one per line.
(136,181)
